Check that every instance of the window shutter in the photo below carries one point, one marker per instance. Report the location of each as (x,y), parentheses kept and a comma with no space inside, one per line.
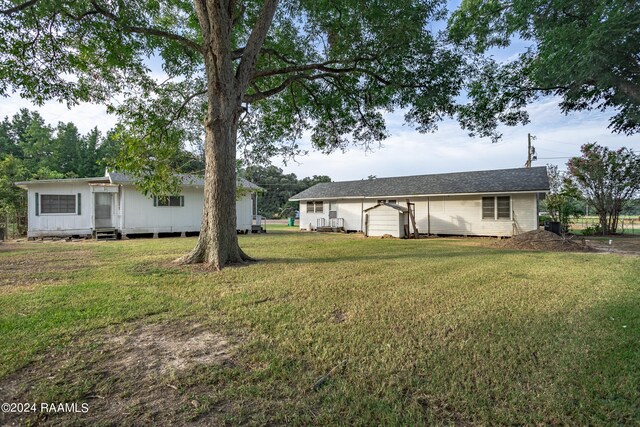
(182,201)
(37,204)
(155,201)
(79,205)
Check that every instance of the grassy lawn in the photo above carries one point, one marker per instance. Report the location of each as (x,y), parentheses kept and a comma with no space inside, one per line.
(438,331)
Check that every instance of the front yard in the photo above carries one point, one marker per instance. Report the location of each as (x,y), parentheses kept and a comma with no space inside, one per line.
(326,329)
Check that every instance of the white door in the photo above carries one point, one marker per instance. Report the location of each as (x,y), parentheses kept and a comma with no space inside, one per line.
(103,210)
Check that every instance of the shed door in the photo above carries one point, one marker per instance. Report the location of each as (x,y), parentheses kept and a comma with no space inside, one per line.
(103,210)
(383,221)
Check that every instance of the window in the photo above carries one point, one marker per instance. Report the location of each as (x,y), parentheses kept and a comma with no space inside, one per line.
(392,201)
(488,208)
(171,201)
(504,207)
(57,204)
(315,207)
(496,207)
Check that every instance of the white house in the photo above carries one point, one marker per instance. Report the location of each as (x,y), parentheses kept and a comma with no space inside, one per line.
(481,203)
(111,204)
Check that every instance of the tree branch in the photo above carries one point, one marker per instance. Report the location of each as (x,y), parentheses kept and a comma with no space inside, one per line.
(18,8)
(254,44)
(258,95)
(145,30)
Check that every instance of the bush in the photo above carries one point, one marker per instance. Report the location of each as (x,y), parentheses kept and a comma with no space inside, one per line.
(543,218)
(592,230)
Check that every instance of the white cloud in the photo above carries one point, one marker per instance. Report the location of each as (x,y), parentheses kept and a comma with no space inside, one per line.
(85,116)
(450,149)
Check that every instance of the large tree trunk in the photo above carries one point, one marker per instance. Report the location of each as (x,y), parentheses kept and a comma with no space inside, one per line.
(226,84)
(218,242)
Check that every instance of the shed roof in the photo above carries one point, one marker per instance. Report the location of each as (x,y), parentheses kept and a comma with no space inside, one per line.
(391,205)
(490,181)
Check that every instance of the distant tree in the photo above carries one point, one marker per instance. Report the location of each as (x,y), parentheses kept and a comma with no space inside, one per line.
(632,207)
(67,150)
(109,149)
(585,52)
(563,201)
(12,198)
(279,188)
(34,139)
(88,160)
(607,179)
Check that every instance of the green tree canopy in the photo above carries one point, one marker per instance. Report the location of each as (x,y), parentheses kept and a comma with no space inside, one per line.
(563,201)
(587,52)
(608,179)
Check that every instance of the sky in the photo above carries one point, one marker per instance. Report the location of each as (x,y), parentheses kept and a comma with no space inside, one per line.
(406,151)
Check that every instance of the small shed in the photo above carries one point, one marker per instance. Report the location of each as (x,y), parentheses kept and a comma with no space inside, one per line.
(386,218)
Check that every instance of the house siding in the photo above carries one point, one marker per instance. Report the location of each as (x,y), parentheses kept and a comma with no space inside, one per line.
(455,215)
(174,219)
(60,224)
(131,212)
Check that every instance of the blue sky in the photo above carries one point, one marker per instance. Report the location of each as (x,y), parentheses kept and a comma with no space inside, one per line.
(407,152)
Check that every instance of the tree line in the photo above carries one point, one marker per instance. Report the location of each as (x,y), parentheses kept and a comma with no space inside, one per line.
(32,149)
(274,203)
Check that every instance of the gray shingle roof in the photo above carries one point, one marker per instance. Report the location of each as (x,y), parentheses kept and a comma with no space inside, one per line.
(491,181)
(187,180)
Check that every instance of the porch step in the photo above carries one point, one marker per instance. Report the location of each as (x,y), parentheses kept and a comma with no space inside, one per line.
(106,234)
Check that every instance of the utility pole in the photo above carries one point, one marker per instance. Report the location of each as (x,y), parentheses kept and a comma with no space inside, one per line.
(531,151)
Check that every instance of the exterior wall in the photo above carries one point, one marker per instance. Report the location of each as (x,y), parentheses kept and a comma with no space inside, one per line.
(309,220)
(60,224)
(140,216)
(351,210)
(131,212)
(244,213)
(455,215)
(385,220)
(462,215)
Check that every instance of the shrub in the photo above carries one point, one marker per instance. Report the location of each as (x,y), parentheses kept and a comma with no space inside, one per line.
(592,230)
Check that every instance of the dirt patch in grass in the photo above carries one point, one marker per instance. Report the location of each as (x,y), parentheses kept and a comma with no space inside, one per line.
(541,240)
(28,268)
(156,349)
(620,244)
(338,316)
(128,378)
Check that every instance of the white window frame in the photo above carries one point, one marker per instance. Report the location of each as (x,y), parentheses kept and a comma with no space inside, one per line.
(180,204)
(312,206)
(75,205)
(495,208)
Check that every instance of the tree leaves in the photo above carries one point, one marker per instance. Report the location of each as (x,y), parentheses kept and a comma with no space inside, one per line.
(587,52)
(607,178)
